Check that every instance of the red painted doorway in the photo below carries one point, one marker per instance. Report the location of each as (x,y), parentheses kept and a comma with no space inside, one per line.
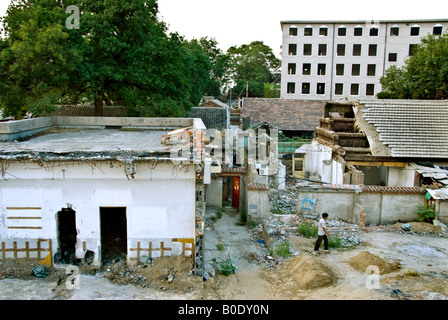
(236,192)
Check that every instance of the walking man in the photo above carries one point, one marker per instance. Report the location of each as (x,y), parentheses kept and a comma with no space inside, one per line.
(322,234)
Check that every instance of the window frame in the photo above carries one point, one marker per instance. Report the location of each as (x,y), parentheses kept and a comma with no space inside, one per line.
(373,45)
(414,27)
(340,28)
(290,85)
(320,85)
(296,33)
(351,89)
(306,85)
(360,50)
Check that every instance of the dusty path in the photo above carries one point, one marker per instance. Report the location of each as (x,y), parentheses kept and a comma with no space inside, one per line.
(422,273)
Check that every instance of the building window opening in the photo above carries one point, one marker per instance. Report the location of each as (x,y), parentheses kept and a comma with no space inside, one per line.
(322,49)
(320,88)
(321,69)
(371,69)
(415,31)
(291,88)
(373,32)
(305,88)
(354,89)
(342,31)
(308,31)
(437,30)
(358,32)
(370,89)
(338,89)
(113,227)
(394,31)
(340,50)
(291,68)
(292,49)
(293,31)
(393,57)
(323,31)
(356,50)
(356,69)
(372,50)
(307,49)
(306,69)
(339,69)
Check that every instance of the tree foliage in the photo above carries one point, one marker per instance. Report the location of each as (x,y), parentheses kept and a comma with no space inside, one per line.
(252,65)
(121,54)
(424,75)
(219,65)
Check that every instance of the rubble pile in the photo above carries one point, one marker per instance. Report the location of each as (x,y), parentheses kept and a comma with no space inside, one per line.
(284,201)
(162,273)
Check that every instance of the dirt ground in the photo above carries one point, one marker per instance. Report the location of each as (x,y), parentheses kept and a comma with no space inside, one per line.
(412,265)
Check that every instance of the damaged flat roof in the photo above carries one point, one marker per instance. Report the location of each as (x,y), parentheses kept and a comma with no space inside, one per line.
(76,143)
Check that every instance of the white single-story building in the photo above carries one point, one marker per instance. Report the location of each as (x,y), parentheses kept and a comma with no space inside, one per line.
(78,187)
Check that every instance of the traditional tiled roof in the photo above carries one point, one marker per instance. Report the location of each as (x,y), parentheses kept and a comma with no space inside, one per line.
(214,103)
(384,189)
(409,128)
(213,118)
(257,186)
(284,114)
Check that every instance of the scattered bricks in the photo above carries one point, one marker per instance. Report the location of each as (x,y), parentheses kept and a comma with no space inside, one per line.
(362,219)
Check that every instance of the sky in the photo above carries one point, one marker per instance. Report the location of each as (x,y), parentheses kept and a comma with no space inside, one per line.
(237,22)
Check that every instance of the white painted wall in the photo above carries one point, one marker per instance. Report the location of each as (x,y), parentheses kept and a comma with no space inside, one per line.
(401,177)
(318,163)
(159,201)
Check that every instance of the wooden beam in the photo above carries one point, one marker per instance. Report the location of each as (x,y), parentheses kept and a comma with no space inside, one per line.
(377,164)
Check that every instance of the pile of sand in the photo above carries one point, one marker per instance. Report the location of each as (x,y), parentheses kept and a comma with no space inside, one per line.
(306,272)
(365,259)
(419,227)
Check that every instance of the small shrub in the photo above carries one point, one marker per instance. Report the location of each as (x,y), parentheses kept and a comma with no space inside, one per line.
(242,220)
(282,250)
(335,242)
(227,267)
(307,229)
(220,247)
(412,273)
(253,223)
(425,213)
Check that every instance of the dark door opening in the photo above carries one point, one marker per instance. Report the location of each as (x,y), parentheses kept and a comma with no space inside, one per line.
(66,236)
(113,234)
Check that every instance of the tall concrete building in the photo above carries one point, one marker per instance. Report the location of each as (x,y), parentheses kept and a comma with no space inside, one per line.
(333,60)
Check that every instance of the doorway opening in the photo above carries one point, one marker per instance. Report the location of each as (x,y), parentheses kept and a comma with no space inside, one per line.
(66,236)
(113,225)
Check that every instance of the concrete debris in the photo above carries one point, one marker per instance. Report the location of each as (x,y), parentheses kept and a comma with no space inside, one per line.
(406,227)
(284,201)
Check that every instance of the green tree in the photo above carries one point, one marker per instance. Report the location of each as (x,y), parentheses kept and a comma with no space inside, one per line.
(424,75)
(219,65)
(120,54)
(35,62)
(251,66)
